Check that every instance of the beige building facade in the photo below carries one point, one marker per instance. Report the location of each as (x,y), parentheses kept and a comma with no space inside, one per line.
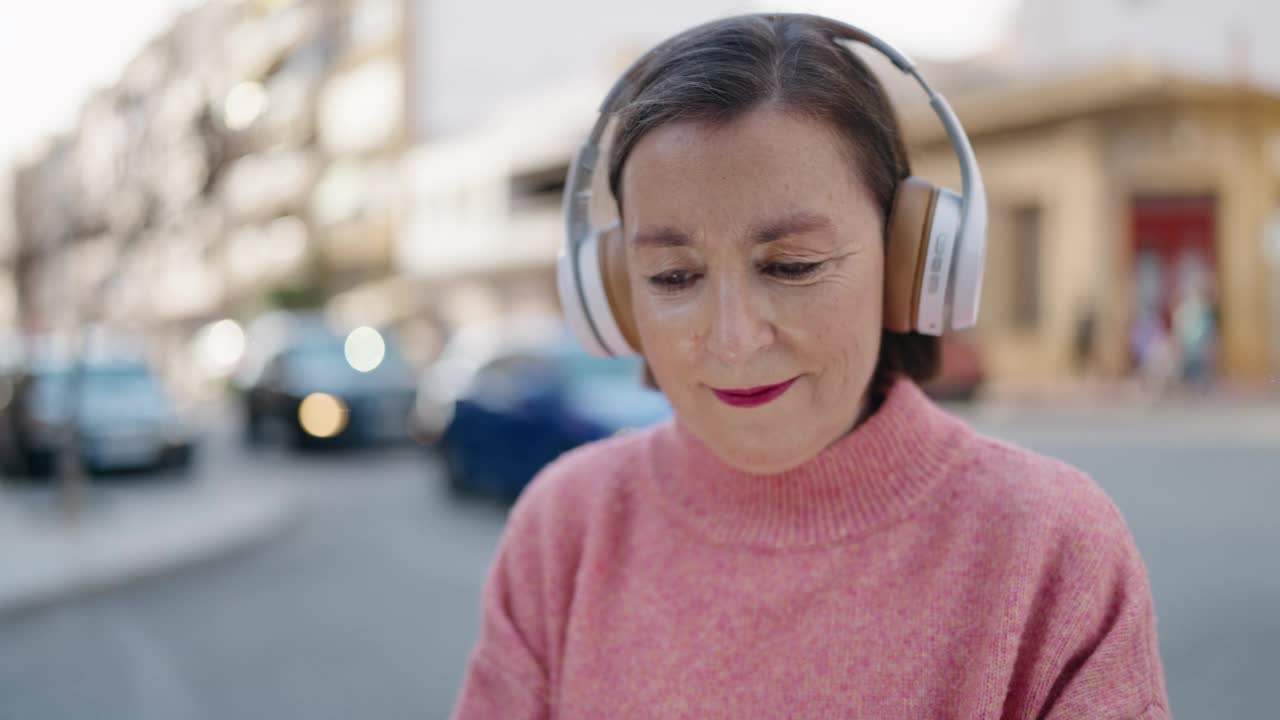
(1118,189)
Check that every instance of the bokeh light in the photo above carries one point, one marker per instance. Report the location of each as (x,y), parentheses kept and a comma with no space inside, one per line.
(244,104)
(322,415)
(365,349)
(220,346)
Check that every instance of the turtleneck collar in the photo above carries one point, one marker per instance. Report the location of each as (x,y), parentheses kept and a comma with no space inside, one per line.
(866,479)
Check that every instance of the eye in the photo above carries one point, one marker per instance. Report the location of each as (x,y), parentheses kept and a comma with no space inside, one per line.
(792,271)
(673,280)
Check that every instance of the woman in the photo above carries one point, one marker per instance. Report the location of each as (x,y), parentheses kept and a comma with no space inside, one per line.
(811,536)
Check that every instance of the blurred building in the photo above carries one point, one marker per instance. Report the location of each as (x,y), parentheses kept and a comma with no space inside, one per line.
(1116,192)
(470,59)
(1231,40)
(244,159)
(8,252)
(483,218)
(42,221)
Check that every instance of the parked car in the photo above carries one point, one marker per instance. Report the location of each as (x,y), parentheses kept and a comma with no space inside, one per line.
(311,391)
(125,419)
(498,418)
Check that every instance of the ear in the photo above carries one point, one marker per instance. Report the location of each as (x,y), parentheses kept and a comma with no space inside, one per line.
(907,240)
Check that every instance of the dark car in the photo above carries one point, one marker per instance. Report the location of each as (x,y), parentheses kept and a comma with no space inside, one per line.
(521,406)
(313,392)
(125,419)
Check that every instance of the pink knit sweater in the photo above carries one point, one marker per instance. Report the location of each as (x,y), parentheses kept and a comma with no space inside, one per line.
(914,569)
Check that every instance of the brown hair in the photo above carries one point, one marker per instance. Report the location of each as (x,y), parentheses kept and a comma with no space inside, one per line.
(718,71)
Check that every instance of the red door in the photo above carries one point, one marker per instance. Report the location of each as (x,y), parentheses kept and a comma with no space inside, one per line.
(1174,254)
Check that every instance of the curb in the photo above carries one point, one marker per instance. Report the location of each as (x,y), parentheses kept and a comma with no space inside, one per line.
(94,561)
(1129,396)
(1220,423)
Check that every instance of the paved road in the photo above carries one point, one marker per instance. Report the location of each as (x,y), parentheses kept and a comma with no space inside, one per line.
(367,607)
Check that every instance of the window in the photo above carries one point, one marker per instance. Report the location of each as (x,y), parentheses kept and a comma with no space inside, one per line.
(543,188)
(1025,265)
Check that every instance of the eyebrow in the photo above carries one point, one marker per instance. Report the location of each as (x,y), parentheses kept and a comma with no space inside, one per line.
(660,237)
(796,223)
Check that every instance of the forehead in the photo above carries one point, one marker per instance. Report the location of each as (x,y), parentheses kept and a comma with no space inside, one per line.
(765,160)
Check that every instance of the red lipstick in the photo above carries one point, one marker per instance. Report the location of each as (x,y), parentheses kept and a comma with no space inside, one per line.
(753,397)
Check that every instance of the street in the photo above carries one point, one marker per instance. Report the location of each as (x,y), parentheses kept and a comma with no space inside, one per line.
(367,605)
(365,609)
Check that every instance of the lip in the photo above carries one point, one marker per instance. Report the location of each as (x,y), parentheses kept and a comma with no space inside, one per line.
(753,397)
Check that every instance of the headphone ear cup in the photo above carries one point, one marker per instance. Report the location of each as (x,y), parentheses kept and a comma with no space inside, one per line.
(906,247)
(602,274)
(617,284)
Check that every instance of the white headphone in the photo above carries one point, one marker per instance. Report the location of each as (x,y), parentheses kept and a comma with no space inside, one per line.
(934,255)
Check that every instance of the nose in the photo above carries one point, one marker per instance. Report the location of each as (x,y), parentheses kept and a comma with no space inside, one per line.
(738,322)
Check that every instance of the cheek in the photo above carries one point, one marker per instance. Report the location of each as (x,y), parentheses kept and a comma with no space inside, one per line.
(668,330)
(838,325)
(845,301)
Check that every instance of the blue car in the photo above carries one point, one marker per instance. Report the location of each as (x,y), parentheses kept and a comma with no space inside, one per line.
(522,407)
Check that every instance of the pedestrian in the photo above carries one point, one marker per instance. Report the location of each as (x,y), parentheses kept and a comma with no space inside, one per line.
(1155,356)
(1194,329)
(1086,330)
(810,536)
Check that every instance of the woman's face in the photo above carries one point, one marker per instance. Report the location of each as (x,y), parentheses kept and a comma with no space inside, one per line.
(756,261)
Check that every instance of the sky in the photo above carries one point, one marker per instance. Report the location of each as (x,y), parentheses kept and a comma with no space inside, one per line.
(53,53)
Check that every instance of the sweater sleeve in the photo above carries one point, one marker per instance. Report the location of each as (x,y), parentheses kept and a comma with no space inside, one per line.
(523,608)
(1107,663)
(506,676)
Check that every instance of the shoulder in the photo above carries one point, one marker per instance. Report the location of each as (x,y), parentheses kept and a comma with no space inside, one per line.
(567,492)
(563,511)
(1045,502)
(533,577)
(1080,598)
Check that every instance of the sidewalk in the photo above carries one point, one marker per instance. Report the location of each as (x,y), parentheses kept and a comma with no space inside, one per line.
(1129,397)
(45,557)
(1124,414)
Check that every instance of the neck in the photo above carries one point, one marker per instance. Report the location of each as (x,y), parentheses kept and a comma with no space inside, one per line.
(893,455)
